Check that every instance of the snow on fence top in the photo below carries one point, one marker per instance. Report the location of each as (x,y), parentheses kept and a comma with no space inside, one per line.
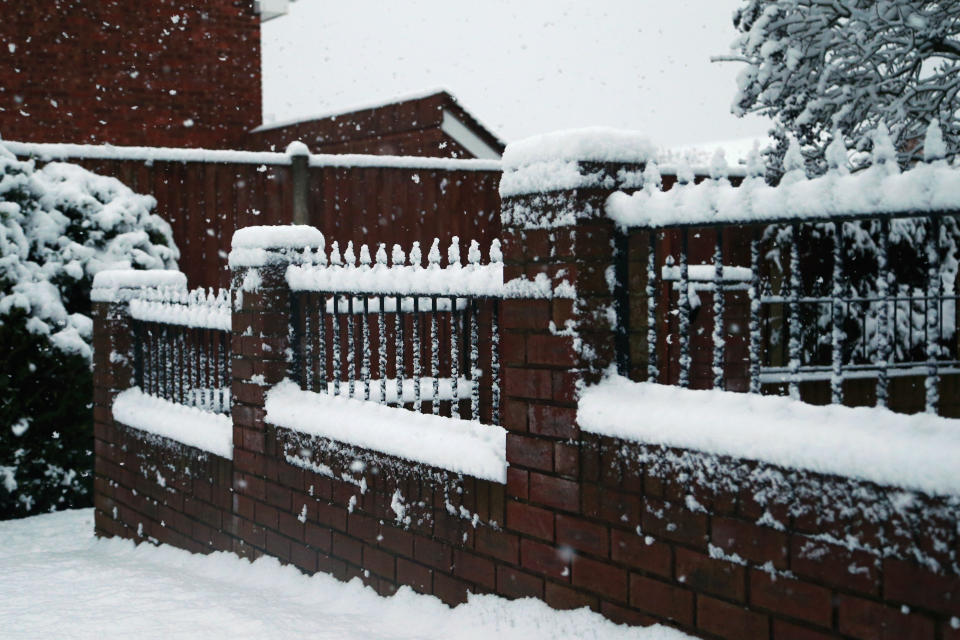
(460,446)
(404,275)
(914,452)
(108,283)
(58,151)
(200,308)
(191,426)
(928,187)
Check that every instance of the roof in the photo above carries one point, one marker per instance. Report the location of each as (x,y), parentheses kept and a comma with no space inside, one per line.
(435,109)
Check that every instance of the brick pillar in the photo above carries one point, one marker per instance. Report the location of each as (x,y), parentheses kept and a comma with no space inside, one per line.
(260,340)
(113,370)
(551,347)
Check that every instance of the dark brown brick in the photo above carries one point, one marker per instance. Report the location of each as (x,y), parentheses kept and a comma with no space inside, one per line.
(791,598)
(530,520)
(868,620)
(554,422)
(517,584)
(632,549)
(533,453)
(582,535)
(606,580)
(554,492)
(914,585)
(750,541)
(703,573)
(416,576)
(730,621)
(474,568)
(661,599)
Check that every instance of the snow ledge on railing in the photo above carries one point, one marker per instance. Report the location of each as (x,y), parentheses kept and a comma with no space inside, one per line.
(108,283)
(211,432)
(918,452)
(460,446)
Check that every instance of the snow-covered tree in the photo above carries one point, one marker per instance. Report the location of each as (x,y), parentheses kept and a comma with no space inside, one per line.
(821,66)
(59,225)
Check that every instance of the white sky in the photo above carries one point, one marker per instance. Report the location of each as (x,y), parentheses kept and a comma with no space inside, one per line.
(522,67)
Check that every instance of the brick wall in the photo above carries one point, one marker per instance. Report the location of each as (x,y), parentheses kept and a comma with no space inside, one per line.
(719,547)
(179,74)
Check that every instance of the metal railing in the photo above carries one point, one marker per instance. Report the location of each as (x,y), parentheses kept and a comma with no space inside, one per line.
(182,347)
(792,302)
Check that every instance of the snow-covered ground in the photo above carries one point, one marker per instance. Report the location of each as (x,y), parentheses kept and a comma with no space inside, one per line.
(58,581)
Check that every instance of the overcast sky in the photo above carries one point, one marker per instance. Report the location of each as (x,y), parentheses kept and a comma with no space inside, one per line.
(522,67)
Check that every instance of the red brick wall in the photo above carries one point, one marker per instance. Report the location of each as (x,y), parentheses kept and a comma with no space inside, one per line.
(124,72)
(719,547)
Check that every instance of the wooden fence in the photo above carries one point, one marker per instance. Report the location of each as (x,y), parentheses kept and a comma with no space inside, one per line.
(207,195)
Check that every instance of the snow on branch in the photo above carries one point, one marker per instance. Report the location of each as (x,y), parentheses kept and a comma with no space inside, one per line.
(928,187)
(199,308)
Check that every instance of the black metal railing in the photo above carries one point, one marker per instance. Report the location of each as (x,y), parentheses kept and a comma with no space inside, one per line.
(429,353)
(793,302)
(182,346)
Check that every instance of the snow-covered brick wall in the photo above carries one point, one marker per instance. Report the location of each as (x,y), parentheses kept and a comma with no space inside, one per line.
(460,446)
(914,452)
(199,308)
(194,427)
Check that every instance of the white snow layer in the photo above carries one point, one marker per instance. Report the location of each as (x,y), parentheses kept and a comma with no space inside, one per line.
(133,278)
(193,427)
(198,308)
(460,446)
(911,451)
(59,580)
(877,190)
(48,151)
(472,280)
(591,144)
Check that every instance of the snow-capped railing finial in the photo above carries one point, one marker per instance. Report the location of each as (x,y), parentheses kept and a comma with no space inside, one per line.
(794,167)
(884,154)
(719,169)
(755,165)
(837,155)
(349,257)
(685,173)
(652,180)
(453,253)
(416,258)
(434,256)
(335,259)
(200,308)
(450,279)
(365,257)
(934,148)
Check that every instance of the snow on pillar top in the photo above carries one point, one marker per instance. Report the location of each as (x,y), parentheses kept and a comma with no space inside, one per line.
(259,246)
(552,162)
(107,283)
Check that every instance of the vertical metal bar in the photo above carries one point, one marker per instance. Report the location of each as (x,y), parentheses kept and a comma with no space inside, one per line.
(211,376)
(306,339)
(398,356)
(434,356)
(382,348)
(838,288)
(621,302)
(755,295)
(351,349)
(793,325)
(652,294)
(684,309)
(718,308)
(474,370)
(454,361)
(495,362)
(335,329)
(138,354)
(417,403)
(365,366)
(165,353)
(222,360)
(934,286)
(322,344)
(883,293)
(183,382)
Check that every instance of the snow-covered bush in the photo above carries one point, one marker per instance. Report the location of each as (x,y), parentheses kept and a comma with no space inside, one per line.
(59,225)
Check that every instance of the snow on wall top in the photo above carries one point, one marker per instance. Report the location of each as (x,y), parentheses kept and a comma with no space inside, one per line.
(50,151)
(135,278)
(193,427)
(460,446)
(200,308)
(917,452)
(592,144)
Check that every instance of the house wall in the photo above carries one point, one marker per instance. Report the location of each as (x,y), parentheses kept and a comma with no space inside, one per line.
(129,72)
